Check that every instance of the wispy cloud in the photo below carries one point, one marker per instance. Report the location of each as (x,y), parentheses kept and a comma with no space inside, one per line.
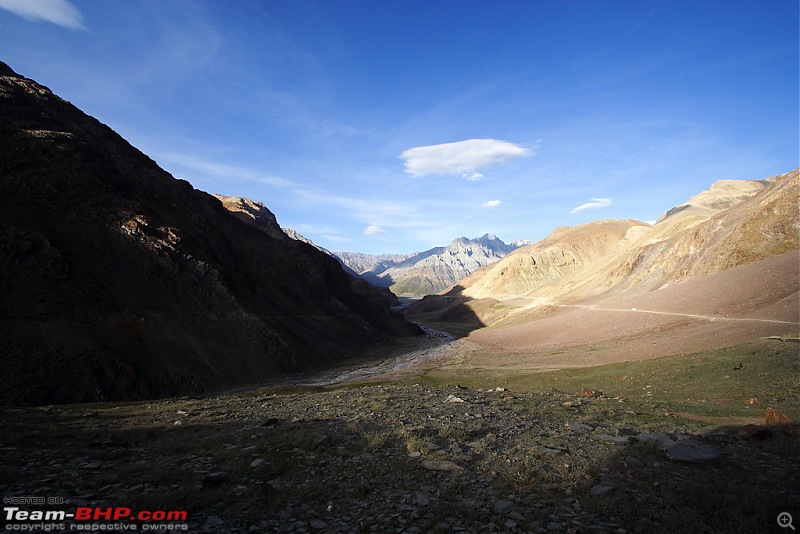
(374,229)
(595,203)
(325,232)
(462,158)
(219,170)
(60,12)
(492,204)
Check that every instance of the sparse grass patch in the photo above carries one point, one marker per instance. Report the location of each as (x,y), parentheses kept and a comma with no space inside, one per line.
(711,383)
(420,445)
(376,440)
(454,432)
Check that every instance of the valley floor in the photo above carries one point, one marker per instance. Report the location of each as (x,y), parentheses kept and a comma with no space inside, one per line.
(404,458)
(459,432)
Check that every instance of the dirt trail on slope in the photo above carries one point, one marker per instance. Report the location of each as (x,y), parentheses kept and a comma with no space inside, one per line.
(756,300)
(692,315)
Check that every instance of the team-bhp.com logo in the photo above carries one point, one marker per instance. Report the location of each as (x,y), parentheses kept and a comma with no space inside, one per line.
(94,518)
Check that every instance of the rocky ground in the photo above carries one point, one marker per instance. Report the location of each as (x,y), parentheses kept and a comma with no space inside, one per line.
(405,458)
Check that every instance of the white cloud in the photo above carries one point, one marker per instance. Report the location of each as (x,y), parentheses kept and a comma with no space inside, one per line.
(60,12)
(492,204)
(595,203)
(461,158)
(374,229)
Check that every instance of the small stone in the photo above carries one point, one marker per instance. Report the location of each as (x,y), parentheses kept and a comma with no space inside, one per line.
(442,465)
(578,426)
(600,490)
(318,524)
(453,399)
(773,417)
(91,465)
(503,505)
(256,462)
(608,438)
(510,523)
(553,526)
(658,438)
(215,480)
(753,431)
(691,450)
(550,450)
(415,454)
(213,521)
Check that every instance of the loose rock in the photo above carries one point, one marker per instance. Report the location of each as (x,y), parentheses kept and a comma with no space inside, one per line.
(442,465)
(691,450)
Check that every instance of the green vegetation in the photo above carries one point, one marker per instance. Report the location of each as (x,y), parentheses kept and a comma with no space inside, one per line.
(739,381)
(565,448)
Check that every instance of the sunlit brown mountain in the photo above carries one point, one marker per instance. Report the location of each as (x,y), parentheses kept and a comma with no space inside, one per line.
(733,247)
(719,270)
(730,224)
(118,281)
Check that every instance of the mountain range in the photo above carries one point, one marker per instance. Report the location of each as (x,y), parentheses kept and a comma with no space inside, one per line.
(431,271)
(416,274)
(120,282)
(734,227)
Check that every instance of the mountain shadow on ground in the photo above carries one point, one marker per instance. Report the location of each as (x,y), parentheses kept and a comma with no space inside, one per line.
(457,314)
(394,458)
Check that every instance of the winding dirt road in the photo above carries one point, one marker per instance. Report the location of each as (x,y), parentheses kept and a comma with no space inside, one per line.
(692,315)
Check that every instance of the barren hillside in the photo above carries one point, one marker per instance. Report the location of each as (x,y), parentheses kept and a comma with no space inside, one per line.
(728,225)
(120,282)
(706,312)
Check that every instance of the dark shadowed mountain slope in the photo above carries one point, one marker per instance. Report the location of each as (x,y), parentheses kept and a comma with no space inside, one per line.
(257,214)
(118,281)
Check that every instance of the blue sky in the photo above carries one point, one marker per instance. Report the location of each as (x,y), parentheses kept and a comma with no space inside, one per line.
(396,126)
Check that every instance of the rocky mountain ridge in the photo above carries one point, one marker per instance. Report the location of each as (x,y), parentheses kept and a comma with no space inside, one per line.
(415,274)
(370,265)
(429,271)
(121,282)
(255,213)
